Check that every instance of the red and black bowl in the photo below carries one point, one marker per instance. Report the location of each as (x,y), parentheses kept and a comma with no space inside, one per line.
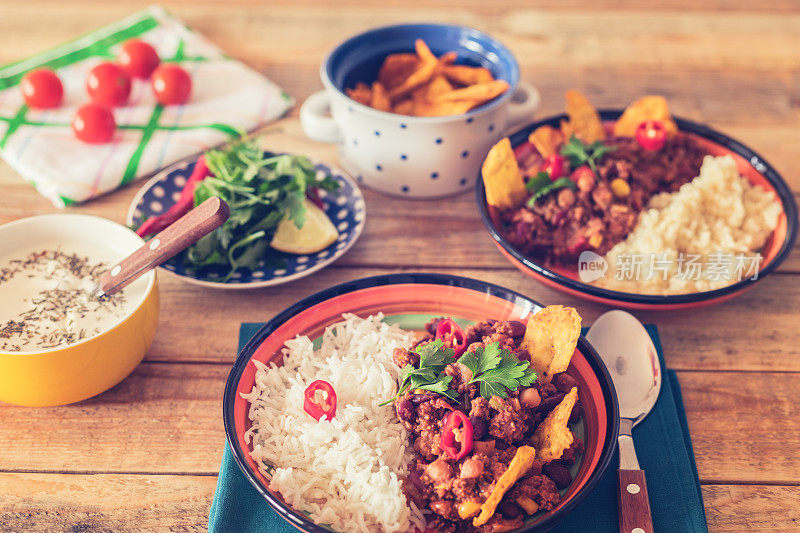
(410,300)
(749,164)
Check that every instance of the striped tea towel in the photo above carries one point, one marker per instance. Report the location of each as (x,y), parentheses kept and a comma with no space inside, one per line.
(227,97)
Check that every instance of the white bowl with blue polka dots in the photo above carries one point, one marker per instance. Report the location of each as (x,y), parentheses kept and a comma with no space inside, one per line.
(345,209)
(408,156)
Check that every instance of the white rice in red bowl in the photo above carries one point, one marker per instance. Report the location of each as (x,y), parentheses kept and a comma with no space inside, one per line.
(345,473)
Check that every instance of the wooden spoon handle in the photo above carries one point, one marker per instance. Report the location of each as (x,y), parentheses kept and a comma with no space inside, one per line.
(181,234)
(634,504)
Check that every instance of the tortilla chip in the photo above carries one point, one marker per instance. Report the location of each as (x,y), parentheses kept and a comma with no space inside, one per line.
(464,75)
(380,98)
(396,69)
(502,178)
(404,107)
(424,108)
(645,108)
(551,337)
(423,51)
(518,467)
(553,436)
(480,93)
(546,139)
(438,85)
(584,120)
(448,58)
(419,77)
(360,93)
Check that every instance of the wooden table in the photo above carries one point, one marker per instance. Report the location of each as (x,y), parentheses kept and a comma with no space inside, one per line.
(144,455)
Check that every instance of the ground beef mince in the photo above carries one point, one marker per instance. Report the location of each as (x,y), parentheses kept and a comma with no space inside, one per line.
(500,426)
(593,217)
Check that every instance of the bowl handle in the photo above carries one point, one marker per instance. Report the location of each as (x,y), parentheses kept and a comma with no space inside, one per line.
(524,102)
(316,121)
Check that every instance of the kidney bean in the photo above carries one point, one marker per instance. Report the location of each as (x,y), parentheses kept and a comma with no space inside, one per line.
(559,473)
(550,402)
(405,410)
(517,328)
(421,398)
(564,382)
(416,479)
(479,427)
(509,509)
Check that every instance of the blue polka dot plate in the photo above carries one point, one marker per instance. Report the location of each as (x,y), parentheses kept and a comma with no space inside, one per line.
(345,209)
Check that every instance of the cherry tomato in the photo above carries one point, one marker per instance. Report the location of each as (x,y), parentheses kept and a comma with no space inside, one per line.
(171,84)
(555,166)
(42,89)
(138,58)
(109,84)
(94,124)
(651,135)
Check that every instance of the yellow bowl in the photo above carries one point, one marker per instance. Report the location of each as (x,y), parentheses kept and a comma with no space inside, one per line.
(68,374)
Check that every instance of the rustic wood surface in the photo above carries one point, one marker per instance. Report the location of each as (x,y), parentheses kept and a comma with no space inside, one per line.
(144,455)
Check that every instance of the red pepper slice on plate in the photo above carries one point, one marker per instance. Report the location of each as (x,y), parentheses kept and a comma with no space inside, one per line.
(458,445)
(322,405)
(181,207)
(651,135)
(555,166)
(451,333)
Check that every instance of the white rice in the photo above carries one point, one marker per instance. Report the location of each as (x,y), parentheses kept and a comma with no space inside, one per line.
(345,473)
(718,216)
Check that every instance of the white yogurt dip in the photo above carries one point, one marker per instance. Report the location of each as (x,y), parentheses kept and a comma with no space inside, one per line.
(46,298)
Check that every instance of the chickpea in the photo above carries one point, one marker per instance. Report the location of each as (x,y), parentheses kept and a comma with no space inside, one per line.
(471,468)
(565,198)
(530,398)
(439,471)
(585,179)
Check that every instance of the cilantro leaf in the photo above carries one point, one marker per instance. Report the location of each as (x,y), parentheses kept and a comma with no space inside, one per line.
(433,358)
(580,153)
(497,370)
(434,354)
(560,183)
(539,181)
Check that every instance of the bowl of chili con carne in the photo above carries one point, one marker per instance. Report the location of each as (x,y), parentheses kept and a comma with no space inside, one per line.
(566,278)
(410,301)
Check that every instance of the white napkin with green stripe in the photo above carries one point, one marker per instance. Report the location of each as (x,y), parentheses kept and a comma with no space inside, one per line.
(227,97)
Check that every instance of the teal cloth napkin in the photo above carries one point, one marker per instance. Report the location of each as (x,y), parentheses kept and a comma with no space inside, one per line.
(663,447)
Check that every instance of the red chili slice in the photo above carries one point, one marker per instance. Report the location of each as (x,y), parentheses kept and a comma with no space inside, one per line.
(323,406)
(651,135)
(451,333)
(457,446)
(555,166)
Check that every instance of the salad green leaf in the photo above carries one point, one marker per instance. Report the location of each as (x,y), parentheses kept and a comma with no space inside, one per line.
(260,189)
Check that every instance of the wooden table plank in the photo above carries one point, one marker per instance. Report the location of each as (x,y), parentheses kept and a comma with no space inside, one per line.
(104,502)
(131,502)
(166,418)
(693,339)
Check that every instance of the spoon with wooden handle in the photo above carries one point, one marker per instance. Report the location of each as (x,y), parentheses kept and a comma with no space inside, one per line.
(181,234)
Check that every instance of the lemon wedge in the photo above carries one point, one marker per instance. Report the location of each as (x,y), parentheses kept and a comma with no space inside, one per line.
(317,233)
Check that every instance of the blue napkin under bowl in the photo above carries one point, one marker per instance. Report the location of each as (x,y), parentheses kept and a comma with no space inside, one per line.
(663,447)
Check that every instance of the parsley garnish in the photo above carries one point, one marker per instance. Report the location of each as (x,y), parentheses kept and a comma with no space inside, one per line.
(580,153)
(497,370)
(541,186)
(433,357)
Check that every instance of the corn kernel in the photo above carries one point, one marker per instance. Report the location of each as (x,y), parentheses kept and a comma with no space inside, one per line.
(620,188)
(528,504)
(469,508)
